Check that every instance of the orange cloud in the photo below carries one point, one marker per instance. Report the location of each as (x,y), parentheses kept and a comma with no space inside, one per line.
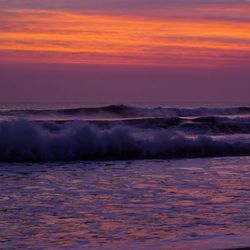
(67,37)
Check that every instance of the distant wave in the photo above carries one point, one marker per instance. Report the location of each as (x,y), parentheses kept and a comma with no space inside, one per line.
(123,111)
(27,141)
(204,124)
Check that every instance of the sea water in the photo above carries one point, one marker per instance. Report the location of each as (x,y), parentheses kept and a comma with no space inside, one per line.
(122,177)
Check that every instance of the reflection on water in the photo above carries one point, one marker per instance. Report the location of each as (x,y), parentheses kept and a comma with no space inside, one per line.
(138,204)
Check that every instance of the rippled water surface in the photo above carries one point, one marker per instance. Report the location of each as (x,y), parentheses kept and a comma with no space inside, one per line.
(177,204)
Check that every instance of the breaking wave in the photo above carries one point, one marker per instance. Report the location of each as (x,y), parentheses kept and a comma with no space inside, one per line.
(29,141)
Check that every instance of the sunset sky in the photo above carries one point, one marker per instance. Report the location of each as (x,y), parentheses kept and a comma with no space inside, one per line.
(116,51)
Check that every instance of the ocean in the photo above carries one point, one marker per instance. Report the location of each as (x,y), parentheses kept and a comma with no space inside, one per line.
(124,177)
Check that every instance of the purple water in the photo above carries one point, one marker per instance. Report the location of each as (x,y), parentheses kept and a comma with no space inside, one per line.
(176,204)
(122,177)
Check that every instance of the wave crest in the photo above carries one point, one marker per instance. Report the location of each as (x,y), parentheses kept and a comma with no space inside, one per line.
(123,111)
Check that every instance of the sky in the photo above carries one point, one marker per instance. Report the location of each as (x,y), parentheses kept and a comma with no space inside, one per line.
(125,51)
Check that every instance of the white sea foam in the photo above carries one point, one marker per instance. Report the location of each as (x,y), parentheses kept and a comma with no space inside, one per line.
(22,140)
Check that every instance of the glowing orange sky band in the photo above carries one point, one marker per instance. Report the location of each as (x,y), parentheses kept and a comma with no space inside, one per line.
(58,36)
